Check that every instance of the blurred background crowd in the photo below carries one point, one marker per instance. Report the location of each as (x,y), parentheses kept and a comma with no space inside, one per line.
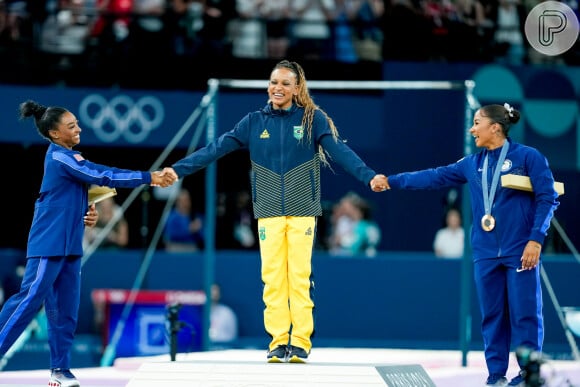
(108,41)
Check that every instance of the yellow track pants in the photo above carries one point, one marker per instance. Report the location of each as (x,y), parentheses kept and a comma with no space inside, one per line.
(286,244)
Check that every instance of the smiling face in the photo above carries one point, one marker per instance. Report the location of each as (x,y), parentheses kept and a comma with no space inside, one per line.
(67,132)
(487,134)
(282,88)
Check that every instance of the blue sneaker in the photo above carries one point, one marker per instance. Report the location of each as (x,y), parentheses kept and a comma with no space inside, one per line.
(519,380)
(297,355)
(278,354)
(62,378)
(496,380)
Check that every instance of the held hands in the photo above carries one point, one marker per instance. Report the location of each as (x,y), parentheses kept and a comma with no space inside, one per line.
(380,183)
(91,217)
(531,256)
(163,178)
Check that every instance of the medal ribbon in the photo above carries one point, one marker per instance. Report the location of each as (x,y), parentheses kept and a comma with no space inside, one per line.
(488,199)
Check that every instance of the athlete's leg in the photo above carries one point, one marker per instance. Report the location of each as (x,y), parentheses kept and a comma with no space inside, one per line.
(62,308)
(490,282)
(301,232)
(274,256)
(525,301)
(20,309)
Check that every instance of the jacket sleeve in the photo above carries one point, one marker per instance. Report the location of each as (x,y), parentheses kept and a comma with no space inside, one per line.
(544,193)
(93,173)
(433,178)
(343,155)
(226,143)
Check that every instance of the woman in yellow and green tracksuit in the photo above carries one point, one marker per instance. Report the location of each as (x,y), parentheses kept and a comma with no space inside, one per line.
(287,140)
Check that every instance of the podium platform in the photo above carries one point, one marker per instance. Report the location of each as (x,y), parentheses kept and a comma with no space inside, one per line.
(247,368)
(241,373)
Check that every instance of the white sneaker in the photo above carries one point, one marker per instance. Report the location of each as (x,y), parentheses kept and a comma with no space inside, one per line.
(62,378)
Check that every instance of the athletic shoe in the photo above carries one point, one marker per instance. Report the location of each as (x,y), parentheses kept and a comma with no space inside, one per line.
(278,354)
(518,381)
(297,355)
(496,380)
(62,378)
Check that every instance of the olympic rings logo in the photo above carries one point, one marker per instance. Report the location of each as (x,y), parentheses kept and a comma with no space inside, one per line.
(121,116)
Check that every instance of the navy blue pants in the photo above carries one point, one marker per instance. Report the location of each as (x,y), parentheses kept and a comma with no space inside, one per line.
(511,309)
(54,282)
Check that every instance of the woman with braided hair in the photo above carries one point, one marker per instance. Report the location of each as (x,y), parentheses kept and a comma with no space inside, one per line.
(288,140)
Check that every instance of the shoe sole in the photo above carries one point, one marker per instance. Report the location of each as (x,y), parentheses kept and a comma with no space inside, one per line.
(275,359)
(296,359)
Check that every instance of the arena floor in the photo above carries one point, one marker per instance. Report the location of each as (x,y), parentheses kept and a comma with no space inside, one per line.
(326,367)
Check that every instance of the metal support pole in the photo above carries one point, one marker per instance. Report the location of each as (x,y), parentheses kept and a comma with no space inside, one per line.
(465,318)
(210,213)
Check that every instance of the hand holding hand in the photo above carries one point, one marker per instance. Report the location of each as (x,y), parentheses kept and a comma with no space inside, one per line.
(92,216)
(380,183)
(163,178)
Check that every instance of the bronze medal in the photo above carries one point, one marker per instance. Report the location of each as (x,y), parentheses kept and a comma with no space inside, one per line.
(487,222)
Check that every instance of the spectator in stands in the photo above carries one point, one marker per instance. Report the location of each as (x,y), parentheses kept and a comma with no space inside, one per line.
(237,228)
(109,36)
(16,16)
(183,21)
(507,241)
(287,139)
(118,236)
(368,37)
(343,32)
(148,37)
(311,34)
(440,15)
(353,232)
(276,14)
(223,326)
(471,31)
(247,31)
(449,240)
(53,268)
(405,15)
(214,31)
(184,228)
(509,18)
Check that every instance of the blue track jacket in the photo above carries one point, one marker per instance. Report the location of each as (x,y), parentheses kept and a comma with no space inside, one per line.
(58,226)
(520,216)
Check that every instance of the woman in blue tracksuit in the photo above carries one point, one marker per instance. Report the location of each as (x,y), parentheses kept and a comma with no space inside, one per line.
(509,228)
(287,140)
(53,268)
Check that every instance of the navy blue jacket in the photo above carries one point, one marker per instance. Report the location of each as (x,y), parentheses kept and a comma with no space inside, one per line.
(285,175)
(58,225)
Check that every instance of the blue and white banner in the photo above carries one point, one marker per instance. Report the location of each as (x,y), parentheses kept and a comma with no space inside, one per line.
(107,117)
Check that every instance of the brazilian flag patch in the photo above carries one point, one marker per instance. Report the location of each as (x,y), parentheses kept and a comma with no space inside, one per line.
(298,132)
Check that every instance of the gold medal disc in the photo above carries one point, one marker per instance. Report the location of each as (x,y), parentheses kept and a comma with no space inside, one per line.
(487,222)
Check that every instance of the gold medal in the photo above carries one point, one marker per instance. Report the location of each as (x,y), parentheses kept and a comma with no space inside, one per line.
(487,222)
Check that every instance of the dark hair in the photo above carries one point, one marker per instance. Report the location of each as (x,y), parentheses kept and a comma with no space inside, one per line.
(505,115)
(45,118)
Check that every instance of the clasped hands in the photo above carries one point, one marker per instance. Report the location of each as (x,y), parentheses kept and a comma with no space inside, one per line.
(379,183)
(163,178)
